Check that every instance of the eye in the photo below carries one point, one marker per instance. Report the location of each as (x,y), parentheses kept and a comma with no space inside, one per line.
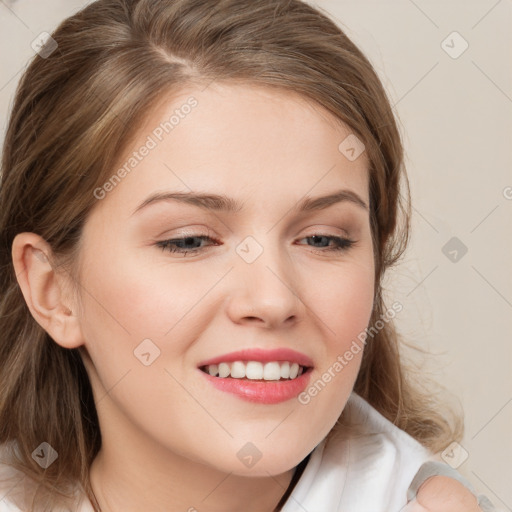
(340,243)
(185,244)
(192,243)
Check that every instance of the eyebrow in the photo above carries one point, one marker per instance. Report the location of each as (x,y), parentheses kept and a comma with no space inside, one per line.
(222,203)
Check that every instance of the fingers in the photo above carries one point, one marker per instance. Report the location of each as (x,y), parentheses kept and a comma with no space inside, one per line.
(443,494)
(414,506)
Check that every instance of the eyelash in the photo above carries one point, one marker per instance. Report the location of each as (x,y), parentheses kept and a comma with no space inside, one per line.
(341,244)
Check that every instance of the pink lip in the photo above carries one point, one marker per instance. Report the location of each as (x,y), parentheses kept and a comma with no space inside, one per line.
(264,392)
(264,356)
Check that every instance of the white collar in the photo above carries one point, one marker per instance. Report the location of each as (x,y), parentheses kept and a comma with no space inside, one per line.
(366,468)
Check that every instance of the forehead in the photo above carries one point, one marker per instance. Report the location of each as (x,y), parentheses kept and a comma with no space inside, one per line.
(257,143)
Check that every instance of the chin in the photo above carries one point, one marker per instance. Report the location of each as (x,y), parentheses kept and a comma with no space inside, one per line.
(264,460)
(265,469)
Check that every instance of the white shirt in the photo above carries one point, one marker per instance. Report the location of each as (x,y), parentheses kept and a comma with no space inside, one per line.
(368,467)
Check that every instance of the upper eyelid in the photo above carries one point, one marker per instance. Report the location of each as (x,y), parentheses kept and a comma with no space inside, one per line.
(341,225)
(193,233)
(350,217)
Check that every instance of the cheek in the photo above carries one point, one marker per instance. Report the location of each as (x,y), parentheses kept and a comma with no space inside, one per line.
(344,302)
(141,299)
(136,301)
(344,307)
(126,305)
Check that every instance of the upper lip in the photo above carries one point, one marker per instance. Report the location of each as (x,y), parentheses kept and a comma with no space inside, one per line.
(262,355)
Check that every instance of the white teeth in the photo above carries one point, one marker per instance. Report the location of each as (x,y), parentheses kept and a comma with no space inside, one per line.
(285,370)
(224,370)
(238,370)
(294,370)
(272,371)
(255,370)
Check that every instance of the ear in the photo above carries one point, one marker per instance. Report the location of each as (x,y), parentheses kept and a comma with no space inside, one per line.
(43,289)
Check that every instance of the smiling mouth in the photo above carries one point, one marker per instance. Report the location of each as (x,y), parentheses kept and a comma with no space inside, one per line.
(256,371)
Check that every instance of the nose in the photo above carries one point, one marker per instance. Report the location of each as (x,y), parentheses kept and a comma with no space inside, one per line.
(263,292)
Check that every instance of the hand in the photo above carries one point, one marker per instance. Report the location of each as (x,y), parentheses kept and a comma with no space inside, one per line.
(443,494)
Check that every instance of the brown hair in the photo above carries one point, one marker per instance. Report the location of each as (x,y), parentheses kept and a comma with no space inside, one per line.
(114,60)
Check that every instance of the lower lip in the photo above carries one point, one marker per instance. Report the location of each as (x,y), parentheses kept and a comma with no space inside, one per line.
(263,392)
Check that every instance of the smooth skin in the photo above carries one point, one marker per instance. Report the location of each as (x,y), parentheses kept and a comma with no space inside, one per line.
(170,439)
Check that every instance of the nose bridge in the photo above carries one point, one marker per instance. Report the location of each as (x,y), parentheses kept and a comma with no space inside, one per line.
(262,258)
(264,286)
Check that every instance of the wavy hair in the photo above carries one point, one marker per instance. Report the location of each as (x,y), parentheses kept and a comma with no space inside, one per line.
(114,60)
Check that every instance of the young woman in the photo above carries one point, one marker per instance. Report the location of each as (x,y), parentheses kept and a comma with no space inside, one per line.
(198,204)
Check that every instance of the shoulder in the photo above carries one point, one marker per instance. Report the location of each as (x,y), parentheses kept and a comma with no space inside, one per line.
(7,506)
(420,474)
(16,488)
(365,463)
(388,456)
(377,441)
(10,482)
(368,463)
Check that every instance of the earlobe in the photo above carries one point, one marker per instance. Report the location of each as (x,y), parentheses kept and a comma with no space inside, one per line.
(43,289)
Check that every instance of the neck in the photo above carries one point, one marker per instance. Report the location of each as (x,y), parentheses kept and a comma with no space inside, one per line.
(190,487)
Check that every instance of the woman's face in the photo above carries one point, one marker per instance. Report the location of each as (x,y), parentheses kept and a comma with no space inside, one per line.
(261,284)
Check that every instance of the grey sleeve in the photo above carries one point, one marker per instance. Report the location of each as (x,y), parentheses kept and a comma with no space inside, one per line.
(432,468)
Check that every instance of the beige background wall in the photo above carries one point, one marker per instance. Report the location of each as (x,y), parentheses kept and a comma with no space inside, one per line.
(455,113)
